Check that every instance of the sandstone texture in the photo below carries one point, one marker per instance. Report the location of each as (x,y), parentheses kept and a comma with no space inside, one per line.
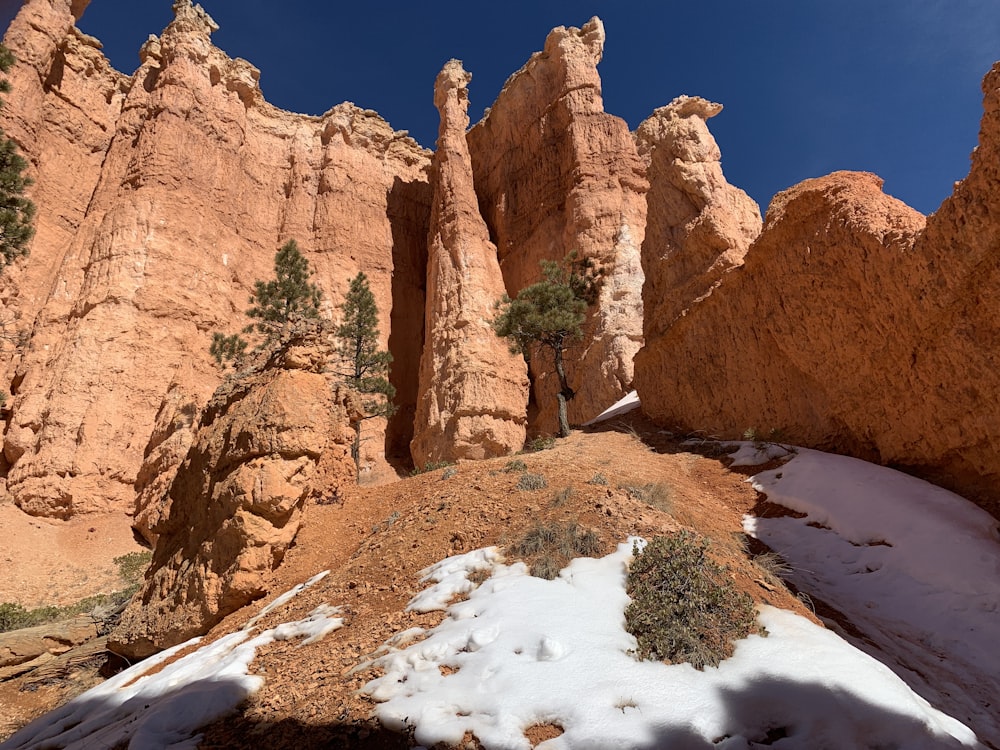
(270,438)
(554,173)
(54,638)
(854,327)
(473,394)
(698,226)
(161,197)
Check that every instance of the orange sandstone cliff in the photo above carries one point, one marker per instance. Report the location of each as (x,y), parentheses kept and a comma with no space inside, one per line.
(556,174)
(161,197)
(473,393)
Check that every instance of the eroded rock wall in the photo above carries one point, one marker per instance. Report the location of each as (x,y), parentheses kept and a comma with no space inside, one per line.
(698,226)
(473,392)
(554,173)
(269,439)
(162,197)
(853,325)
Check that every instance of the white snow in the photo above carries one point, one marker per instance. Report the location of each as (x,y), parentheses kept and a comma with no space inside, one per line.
(915,568)
(625,404)
(165,710)
(522,651)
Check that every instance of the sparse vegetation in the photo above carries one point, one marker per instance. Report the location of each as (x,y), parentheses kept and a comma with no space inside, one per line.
(449,472)
(130,569)
(655,494)
(532,482)
(685,607)
(548,548)
(515,466)
(430,466)
(598,479)
(362,365)
(17,213)
(540,443)
(562,497)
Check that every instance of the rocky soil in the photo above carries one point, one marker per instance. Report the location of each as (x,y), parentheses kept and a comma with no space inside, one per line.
(378,539)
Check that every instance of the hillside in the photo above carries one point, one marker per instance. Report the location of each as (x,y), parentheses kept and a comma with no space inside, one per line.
(378,540)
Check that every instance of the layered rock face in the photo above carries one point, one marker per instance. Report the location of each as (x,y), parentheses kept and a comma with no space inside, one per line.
(854,328)
(698,226)
(269,439)
(162,197)
(554,173)
(473,392)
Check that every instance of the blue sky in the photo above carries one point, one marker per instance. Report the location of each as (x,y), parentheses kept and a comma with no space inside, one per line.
(809,86)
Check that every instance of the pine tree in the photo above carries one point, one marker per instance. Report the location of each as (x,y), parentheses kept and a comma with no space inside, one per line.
(362,366)
(288,297)
(550,314)
(277,305)
(16,211)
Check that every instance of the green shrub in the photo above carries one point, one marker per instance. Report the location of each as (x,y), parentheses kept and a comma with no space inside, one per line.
(540,443)
(685,607)
(532,482)
(550,547)
(599,479)
(517,465)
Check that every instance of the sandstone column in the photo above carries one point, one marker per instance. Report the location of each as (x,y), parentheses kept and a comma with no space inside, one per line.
(473,392)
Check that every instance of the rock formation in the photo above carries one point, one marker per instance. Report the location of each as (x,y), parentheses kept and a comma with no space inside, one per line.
(161,198)
(270,438)
(473,392)
(854,328)
(554,173)
(698,226)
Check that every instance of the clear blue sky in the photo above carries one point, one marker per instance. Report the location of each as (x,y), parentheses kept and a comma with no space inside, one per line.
(809,86)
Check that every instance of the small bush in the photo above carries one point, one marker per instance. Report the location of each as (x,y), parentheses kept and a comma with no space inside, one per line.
(540,443)
(517,465)
(599,479)
(430,466)
(532,482)
(685,608)
(449,472)
(655,494)
(550,547)
(562,497)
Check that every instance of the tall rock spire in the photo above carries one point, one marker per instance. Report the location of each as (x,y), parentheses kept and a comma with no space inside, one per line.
(473,392)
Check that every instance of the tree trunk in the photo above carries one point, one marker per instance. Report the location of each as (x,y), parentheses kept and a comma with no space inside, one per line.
(565,393)
(356,449)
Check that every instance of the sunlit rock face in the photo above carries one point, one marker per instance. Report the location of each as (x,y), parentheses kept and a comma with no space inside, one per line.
(161,197)
(473,396)
(554,174)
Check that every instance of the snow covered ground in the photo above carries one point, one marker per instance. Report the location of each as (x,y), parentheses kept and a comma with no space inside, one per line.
(522,651)
(166,709)
(913,567)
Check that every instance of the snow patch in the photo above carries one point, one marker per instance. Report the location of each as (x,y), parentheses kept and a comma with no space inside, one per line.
(522,651)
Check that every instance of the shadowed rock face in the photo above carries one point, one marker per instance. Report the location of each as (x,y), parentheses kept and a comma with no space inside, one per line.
(473,392)
(162,197)
(268,440)
(554,173)
(854,327)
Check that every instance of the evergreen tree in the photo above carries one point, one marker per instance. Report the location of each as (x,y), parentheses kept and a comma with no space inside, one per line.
(362,366)
(288,297)
(16,211)
(550,314)
(277,305)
